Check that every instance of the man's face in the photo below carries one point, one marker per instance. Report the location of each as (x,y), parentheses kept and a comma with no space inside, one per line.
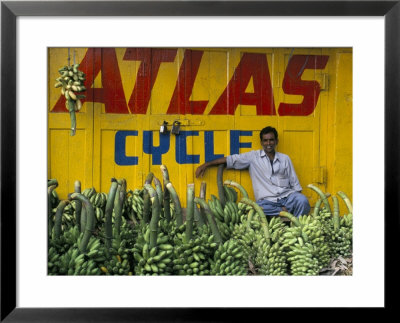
(269,142)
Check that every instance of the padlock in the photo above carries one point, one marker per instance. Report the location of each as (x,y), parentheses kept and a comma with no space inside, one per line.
(163,128)
(176,127)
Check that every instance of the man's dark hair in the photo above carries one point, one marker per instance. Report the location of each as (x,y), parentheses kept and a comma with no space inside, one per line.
(268,130)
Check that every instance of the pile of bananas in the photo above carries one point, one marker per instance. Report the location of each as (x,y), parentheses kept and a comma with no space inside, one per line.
(229,259)
(152,261)
(147,232)
(192,257)
(71,82)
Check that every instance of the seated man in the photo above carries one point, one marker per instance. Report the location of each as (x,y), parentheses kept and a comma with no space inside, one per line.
(275,183)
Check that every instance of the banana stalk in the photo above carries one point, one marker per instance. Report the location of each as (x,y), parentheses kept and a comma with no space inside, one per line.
(291,217)
(51,182)
(108,212)
(166,204)
(71,108)
(58,219)
(159,190)
(90,220)
(120,197)
(202,195)
(238,186)
(263,219)
(189,212)
(221,191)
(210,217)
(336,218)
(250,218)
(155,216)
(322,196)
(198,217)
(166,199)
(78,205)
(165,173)
(346,201)
(177,204)
(317,207)
(146,199)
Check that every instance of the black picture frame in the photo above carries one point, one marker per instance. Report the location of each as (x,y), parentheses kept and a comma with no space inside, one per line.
(10,10)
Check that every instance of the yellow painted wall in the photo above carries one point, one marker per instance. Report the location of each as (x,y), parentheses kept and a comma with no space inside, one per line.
(319,144)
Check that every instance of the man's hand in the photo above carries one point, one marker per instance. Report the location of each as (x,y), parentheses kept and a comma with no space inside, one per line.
(201,170)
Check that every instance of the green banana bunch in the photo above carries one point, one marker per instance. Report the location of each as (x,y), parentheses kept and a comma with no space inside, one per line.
(226,216)
(73,262)
(246,237)
(341,242)
(68,216)
(154,261)
(230,194)
(244,211)
(53,258)
(67,239)
(116,265)
(98,200)
(71,82)
(347,221)
(276,228)
(99,216)
(95,249)
(325,218)
(192,257)
(134,204)
(89,192)
(229,259)
(270,256)
(339,230)
(303,259)
(311,232)
(270,259)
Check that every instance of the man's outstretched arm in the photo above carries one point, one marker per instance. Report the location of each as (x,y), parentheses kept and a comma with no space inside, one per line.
(202,168)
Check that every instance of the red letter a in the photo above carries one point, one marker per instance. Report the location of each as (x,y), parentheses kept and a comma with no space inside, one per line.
(251,65)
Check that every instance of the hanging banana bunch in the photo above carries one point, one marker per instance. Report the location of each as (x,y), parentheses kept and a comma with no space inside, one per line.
(71,83)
